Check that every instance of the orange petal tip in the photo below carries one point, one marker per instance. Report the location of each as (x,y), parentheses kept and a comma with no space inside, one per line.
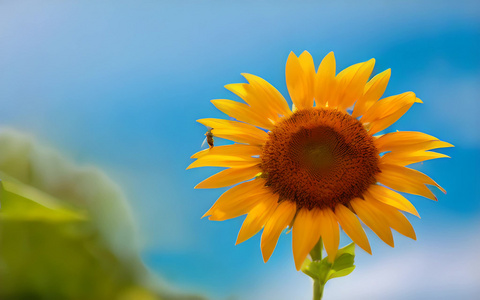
(368,250)
(240,239)
(245,75)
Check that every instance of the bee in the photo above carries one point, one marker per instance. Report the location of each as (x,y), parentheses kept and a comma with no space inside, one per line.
(208,139)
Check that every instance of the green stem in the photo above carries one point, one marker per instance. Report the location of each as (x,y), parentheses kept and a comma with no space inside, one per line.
(316,252)
(317,289)
(316,255)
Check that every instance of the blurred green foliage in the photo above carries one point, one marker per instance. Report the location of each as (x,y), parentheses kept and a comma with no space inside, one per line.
(66,231)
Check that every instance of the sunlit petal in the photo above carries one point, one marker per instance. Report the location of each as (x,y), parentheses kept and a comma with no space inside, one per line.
(280,219)
(373,90)
(352,227)
(373,219)
(257,217)
(229,177)
(305,234)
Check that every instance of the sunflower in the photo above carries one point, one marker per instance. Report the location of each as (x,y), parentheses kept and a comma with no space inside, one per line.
(320,165)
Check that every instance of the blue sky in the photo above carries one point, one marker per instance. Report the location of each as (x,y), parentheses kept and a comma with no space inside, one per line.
(119,84)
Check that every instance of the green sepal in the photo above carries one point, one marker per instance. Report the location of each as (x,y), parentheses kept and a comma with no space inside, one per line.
(315,269)
(323,270)
(308,269)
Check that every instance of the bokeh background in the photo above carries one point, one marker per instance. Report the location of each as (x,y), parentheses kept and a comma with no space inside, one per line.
(119,85)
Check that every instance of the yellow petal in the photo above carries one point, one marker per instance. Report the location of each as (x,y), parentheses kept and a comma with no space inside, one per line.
(239,89)
(257,217)
(230,150)
(299,74)
(383,123)
(352,84)
(306,61)
(396,220)
(413,175)
(373,90)
(225,161)
(340,82)
(242,112)
(352,227)
(387,111)
(388,106)
(238,200)
(373,219)
(268,96)
(392,198)
(407,158)
(262,97)
(408,141)
(325,80)
(235,131)
(406,180)
(229,177)
(249,95)
(305,234)
(329,232)
(280,219)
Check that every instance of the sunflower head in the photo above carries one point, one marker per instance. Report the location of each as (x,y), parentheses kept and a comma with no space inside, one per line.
(321,164)
(307,154)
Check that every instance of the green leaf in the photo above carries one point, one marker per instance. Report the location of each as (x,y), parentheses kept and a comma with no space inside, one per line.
(342,273)
(344,262)
(23,202)
(350,249)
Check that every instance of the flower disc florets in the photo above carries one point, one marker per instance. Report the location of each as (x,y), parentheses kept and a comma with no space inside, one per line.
(319,157)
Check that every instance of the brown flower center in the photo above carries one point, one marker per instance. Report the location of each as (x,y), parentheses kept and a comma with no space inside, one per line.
(319,158)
